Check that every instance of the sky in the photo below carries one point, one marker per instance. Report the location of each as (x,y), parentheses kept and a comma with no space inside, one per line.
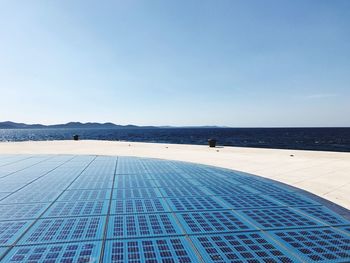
(237,63)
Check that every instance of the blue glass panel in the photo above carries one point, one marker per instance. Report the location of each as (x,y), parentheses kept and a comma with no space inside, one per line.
(242,247)
(168,249)
(64,230)
(316,245)
(10,231)
(142,225)
(70,252)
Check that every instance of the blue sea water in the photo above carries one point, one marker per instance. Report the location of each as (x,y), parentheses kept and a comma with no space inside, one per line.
(325,139)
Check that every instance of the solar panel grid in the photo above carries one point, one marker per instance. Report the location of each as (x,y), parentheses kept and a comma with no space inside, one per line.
(23,178)
(144,176)
(122,182)
(85,195)
(91,184)
(160,168)
(13,167)
(317,245)
(243,247)
(246,179)
(129,165)
(127,193)
(26,197)
(248,201)
(167,250)
(21,211)
(323,214)
(99,169)
(268,188)
(78,208)
(10,231)
(292,199)
(277,218)
(43,185)
(228,189)
(88,252)
(135,206)
(168,182)
(213,222)
(185,191)
(103,177)
(170,176)
(194,203)
(64,230)
(164,221)
(142,225)
(208,172)
(216,181)
(192,169)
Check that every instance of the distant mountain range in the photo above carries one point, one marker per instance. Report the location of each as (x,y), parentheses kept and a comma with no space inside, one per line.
(88,125)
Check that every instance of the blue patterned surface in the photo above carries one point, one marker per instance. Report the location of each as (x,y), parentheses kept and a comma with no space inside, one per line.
(126,209)
(71,252)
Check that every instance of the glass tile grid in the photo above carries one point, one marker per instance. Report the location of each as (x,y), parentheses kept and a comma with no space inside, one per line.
(209,181)
(142,225)
(130,165)
(214,222)
(195,203)
(136,206)
(91,184)
(170,182)
(129,193)
(78,208)
(87,251)
(268,188)
(241,247)
(26,197)
(278,218)
(22,211)
(292,199)
(193,208)
(248,201)
(12,168)
(185,191)
(231,189)
(165,249)
(84,195)
(323,214)
(10,231)
(55,230)
(123,182)
(316,245)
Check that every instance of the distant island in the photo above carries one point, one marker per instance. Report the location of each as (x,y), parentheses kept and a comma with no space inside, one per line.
(87,125)
(75,125)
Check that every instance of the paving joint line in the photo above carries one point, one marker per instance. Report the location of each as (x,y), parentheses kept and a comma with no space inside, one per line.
(108,213)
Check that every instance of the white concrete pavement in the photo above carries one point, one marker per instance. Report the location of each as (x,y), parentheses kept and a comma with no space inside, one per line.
(326,174)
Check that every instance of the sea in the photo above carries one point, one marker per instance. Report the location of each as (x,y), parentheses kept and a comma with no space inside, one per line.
(316,139)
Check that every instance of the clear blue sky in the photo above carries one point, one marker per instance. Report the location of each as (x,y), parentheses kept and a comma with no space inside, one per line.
(234,63)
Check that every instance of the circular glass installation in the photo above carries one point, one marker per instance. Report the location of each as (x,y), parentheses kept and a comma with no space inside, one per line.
(61,208)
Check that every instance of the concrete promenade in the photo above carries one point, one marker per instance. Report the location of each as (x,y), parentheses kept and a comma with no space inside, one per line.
(326,174)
